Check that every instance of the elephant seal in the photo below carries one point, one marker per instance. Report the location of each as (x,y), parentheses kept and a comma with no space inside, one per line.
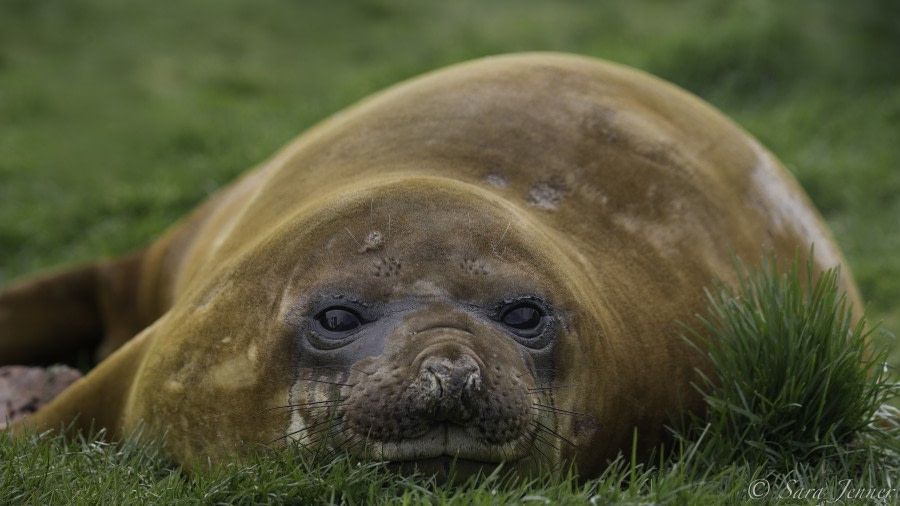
(489,263)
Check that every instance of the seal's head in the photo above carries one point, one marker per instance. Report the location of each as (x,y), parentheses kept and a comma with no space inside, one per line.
(414,320)
(431,337)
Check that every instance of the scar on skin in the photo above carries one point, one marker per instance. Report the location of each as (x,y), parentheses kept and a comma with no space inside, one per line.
(374,241)
(544,196)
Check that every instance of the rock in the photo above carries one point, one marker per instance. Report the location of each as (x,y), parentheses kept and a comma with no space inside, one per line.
(24,389)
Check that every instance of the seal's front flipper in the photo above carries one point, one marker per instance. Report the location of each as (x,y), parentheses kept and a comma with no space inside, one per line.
(50,317)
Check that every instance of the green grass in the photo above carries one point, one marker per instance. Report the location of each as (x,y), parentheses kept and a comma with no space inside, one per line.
(54,471)
(118,116)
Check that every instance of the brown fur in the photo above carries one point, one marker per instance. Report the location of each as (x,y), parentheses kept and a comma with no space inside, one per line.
(618,196)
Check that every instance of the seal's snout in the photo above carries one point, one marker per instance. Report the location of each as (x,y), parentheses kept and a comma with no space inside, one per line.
(432,395)
(448,388)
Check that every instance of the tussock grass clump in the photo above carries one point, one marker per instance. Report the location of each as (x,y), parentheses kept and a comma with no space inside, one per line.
(795,377)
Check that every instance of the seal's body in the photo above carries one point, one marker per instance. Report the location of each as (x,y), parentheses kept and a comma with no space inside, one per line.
(489,262)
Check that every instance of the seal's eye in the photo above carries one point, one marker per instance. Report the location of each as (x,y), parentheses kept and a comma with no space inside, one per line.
(338,319)
(523,318)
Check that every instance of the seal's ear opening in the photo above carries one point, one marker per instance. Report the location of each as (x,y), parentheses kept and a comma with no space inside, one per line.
(97,400)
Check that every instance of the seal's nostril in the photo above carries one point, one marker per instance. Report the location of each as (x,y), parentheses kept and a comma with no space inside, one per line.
(435,385)
(473,382)
(448,387)
(458,374)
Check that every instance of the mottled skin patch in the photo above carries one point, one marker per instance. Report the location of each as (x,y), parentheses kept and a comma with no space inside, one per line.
(386,267)
(496,180)
(474,267)
(545,196)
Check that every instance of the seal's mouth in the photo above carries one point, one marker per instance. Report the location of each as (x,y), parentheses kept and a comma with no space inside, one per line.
(443,467)
(445,441)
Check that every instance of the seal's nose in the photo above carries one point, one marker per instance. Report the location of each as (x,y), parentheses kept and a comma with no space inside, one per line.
(448,388)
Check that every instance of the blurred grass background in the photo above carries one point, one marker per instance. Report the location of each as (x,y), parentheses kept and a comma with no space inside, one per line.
(119,116)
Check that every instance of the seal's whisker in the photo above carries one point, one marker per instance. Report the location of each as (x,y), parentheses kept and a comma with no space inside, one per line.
(287,406)
(552,387)
(303,405)
(469,230)
(340,369)
(362,249)
(551,369)
(321,437)
(548,430)
(286,436)
(331,421)
(337,401)
(328,367)
(319,442)
(542,454)
(529,454)
(337,383)
(287,442)
(343,428)
(268,445)
(346,449)
(555,468)
(347,438)
(289,434)
(353,237)
(358,441)
(309,433)
(554,409)
(337,448)
(327,407)
(539,439)
(496,245)
(551,465)
(541,461)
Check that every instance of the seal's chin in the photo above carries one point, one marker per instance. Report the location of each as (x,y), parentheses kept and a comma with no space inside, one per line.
(444,468)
